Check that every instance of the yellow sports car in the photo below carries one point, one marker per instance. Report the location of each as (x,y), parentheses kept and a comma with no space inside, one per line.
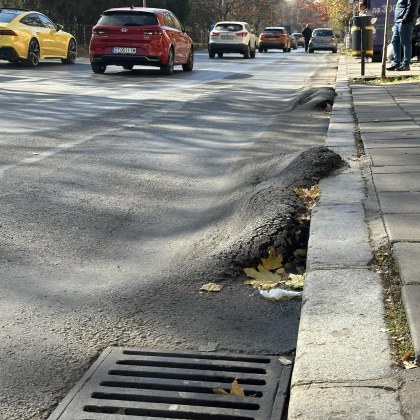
(28,37)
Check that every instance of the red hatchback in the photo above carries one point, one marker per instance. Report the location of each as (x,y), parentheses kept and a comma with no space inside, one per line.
(144,36)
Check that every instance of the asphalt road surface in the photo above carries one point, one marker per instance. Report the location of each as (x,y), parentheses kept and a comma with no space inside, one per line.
(120,191)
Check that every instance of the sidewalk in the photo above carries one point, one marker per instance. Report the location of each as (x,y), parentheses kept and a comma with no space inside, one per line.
(343,367)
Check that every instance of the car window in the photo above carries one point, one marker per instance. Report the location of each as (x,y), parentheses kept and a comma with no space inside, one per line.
(32,20)
(167,18)
(46,22)
(177,25)
(273,31)
(128,19)
(6,16)
(322,32)
(231,27)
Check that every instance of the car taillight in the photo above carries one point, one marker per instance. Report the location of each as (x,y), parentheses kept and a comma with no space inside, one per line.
(243,34)
(7,32)
(214,33)
(152,32)
(99,31)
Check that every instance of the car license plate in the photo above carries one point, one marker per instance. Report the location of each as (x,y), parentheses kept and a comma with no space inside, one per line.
(123,50)
(228,37)
(272,38)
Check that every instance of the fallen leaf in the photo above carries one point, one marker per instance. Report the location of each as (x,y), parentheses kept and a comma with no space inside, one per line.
(220,391)
(262,274)
(296,281)
(211,287)
(264,284)
(279,294)
(236,390)
(407,355)
(273,262)
(409,365)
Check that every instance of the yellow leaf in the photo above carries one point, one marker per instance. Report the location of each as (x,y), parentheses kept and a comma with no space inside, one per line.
(236,390)
(296,281)
(273,262)
(211,287)
(262,274)
(264,284)
(220,391)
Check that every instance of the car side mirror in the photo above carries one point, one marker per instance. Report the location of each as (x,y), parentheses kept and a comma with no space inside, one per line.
(59,27)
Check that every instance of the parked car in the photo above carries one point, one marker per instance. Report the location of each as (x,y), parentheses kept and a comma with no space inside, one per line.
(232,37)
(132,36)
(323,39)
(293,42)
(299,39)
(274,37)
(28,36)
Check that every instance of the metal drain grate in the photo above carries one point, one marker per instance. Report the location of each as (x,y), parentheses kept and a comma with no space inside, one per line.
(143,383)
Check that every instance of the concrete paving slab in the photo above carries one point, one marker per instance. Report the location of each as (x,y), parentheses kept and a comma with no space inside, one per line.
(369,127)
(396,182)
(413,169)
(409,395)
(338,319)
(407,256)
(345,151)
(389,135)
(411,299)
(402,227)
(389,143)
(332,244)
(318,402)
(394,156)
(385,116)
(400,202)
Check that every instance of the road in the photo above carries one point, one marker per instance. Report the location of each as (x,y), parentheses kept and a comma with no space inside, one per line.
(121,194)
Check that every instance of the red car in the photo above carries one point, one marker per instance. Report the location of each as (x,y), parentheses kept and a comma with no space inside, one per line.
(132,36)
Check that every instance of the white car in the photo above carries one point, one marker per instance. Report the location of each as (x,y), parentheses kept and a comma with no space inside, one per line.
(232,37)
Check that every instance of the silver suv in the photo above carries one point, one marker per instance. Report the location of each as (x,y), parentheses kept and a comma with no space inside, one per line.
(323,39)
(232,37)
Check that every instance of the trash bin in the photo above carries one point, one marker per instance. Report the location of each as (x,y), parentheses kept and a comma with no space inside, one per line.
(362,27)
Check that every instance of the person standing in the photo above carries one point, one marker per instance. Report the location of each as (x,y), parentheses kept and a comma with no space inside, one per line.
(404,17)
(307,33)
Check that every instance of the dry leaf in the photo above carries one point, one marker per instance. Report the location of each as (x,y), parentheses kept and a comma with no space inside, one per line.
(407,355)
(220,391)
(273,262)
(296,281)
(264,284)
(409,365)
(262,274)
(236,390)
(211,287)
(308,196)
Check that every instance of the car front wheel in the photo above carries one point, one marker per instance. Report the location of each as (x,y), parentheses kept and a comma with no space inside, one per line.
(188,66)
(71,53)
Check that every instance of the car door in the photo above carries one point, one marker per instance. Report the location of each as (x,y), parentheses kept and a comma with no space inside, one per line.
(176,36)
(57,40)
(40,31)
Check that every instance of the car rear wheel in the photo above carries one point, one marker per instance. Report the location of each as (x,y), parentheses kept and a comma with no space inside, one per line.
(71,53)
(33,54)
(246,52)
(189,65)
(220,55)
(252,53)
(168,68)
(98,68)
(128,67)
(212,54)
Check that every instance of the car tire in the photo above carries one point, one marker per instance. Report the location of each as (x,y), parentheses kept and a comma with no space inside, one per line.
(252,53)
(189,65)
(98,68)
(128,67)
(168,68)
(246,52)
(284,49)
(311,51)
(33,53)
(265,49)
(212,54)
(334,50)
(220,55)
(71,53)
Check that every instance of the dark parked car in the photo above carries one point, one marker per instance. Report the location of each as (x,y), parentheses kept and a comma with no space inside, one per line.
(132,36)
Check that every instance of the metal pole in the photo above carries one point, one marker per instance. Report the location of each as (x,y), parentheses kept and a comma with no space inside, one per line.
(386,32)
(362,53)
(144,3)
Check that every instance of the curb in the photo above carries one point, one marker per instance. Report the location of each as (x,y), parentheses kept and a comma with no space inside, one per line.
(343,363)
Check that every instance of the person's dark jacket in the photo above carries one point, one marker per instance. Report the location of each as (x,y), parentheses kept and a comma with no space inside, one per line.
(405,11)
(307,32)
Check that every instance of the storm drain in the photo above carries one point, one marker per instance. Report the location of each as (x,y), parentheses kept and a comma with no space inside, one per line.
(128,383)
